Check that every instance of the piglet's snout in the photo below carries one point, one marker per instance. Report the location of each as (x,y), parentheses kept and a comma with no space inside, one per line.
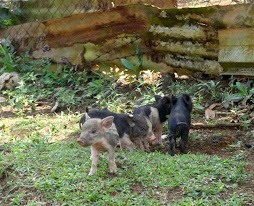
(80,142)
(151,138)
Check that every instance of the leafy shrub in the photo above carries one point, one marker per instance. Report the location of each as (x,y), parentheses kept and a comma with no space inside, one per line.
(211,88)
(245,93)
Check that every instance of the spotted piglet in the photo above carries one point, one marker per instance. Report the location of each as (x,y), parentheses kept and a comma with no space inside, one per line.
(157,113)
(101,135)
(132,129)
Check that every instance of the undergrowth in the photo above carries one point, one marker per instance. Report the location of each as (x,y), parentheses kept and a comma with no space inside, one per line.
(72,87)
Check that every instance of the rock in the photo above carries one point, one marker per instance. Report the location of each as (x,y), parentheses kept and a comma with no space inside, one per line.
(123,100)
(2,100)
(9,80)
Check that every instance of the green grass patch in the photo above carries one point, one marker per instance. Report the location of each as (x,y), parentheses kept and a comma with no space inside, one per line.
(56,173)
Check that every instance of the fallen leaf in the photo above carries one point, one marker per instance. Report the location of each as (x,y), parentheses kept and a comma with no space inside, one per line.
(209,114)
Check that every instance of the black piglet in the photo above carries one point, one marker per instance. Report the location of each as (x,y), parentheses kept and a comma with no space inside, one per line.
(179,122)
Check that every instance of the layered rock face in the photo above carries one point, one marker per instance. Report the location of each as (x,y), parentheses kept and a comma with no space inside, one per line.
(211,40)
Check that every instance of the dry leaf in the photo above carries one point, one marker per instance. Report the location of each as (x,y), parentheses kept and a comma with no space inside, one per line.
(209,114)
(215,105)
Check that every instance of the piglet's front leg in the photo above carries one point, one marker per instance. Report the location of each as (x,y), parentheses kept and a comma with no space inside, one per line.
(158,132)
(111,159)
(95,159)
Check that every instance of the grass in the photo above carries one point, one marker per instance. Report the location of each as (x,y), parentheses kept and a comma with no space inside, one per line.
(57,174)
(37,169)
(43,125)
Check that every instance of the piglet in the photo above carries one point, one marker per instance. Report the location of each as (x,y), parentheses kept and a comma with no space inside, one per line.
(101,135)
(179,122)
(157,113)
(132,129)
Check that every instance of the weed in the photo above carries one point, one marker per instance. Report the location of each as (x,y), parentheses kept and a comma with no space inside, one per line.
(245,93)
(135,68)
(9,14)
(38,84)
(7,57)
(148,92)
(21,97)
(211,88)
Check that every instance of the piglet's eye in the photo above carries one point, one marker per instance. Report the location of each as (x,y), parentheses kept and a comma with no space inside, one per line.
(93,131)
(142,128)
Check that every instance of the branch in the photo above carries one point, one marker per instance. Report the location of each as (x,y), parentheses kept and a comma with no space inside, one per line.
(217,126)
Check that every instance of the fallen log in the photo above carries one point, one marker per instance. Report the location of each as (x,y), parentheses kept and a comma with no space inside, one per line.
(215,126)
(182,41)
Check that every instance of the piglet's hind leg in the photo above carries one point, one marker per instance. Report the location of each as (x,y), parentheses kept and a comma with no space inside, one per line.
(184,142)
(171,144)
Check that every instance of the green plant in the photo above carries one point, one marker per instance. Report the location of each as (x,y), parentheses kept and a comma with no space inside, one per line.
(7,57)
(148,91)
(137,67)
(40,84)
(243,90)
(20,97)
(245,93)
(9,14)
(65,97)
(212,88)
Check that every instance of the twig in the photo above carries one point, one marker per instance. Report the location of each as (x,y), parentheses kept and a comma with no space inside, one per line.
(55,107)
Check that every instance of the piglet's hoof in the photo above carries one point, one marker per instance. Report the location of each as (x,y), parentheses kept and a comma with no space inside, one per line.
(112,171)
(152,139)
(155,142)
(159,143)
(92,173)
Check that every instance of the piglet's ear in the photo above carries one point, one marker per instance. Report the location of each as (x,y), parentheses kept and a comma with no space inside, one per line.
(157,97)
(87,116)
(187,100)
(131,120)
(142,113)
(167,100)
(107,122)
(83,120)
(173,98)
